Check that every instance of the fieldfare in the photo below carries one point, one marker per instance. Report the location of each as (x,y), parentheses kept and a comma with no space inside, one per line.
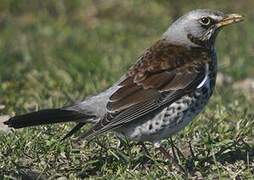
(170,84)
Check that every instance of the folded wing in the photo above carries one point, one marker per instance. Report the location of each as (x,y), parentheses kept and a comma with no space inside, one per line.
(162,75)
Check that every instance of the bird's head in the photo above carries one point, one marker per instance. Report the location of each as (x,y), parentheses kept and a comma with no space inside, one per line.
(199,27)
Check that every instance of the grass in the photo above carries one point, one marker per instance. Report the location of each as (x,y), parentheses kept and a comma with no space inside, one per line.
(53,53)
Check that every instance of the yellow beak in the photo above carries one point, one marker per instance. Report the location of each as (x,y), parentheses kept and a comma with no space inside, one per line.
(230,19)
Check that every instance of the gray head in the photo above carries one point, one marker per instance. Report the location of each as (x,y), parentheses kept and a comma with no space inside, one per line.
(199,27)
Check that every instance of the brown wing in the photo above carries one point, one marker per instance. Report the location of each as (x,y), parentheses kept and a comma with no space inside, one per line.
(162,75)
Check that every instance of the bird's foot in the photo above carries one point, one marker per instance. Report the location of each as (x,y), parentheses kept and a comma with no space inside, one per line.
(168,156)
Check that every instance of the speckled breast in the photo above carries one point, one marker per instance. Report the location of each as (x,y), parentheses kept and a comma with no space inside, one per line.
(174,117)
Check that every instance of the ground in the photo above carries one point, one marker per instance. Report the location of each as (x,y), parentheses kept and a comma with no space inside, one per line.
(53,53)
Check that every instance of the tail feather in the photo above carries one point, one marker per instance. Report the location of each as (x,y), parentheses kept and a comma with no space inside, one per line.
(47,116)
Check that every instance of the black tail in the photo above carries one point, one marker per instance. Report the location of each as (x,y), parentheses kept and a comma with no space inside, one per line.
(47,116)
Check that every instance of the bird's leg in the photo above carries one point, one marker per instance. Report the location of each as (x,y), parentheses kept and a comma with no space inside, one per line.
(147,157)
(178,152)
(164,152)
(173,148)
(144,149)
(191,150)
(169,157)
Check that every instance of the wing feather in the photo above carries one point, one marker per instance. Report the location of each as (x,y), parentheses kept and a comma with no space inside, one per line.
(162,75)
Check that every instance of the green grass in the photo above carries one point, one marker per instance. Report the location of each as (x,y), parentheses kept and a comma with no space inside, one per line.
(55,52)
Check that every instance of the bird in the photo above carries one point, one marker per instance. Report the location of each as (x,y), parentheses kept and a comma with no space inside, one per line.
(168,86)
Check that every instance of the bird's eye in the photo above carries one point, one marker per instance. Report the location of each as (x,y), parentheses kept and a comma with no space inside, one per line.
(205,21)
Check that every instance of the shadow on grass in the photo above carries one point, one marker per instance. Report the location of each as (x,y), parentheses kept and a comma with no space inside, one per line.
(236,151)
